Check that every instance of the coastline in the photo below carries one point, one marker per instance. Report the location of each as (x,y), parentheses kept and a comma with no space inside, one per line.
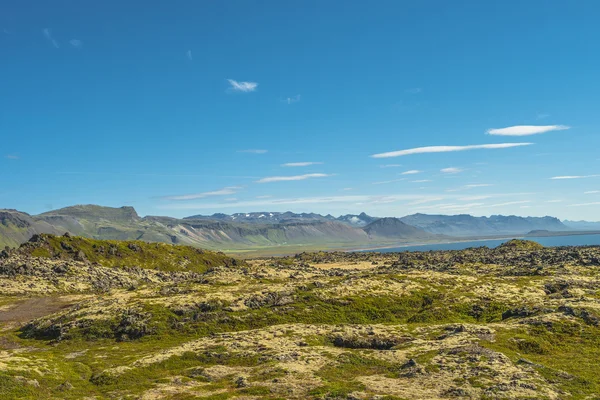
(436,243)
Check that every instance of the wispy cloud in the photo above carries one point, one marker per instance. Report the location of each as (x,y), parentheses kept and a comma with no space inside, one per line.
(390,181)
(347,189)
(415,90)
(477,185)
(265,196)
(510,203)
(526,130)
(222,192)
(425,200)
(48,34)
(270,179)
(554,201)
(301,164)
(542,115)
(12,156)
(446,149)
(188,54)
(421,181)
(390,165)
(242,86)
(574,177)
(451,170)
(349,199)
(596,203)
(411,172)
(253,151)
(592,192)
(293,99)
(76,43)
(474,198)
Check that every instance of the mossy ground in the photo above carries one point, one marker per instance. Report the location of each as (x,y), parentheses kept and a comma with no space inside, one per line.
(477,324)
(114,253)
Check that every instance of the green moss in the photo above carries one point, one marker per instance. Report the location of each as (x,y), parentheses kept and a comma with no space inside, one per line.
(127,254)
(564,352)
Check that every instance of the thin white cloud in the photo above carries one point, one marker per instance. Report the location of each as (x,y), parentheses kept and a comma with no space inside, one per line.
(477,185)
(293,99)
(542,115)
(188,54)
(76,43)
(390,181)
(254,151)
(270,179)
(266,196)
(474,198)
(425,200)
(510,203)
(526,130)
(48,34)
(301,164)
(451,170)
(554,201)
(421,181)
(347,189)
(12,156)
(524,206)
(411,172)
(231,199)
(291,201)
(242,86)
(222,192)
(471,206)
(596,203)
(592,192)
(390,166)
(574,177)
(446,149)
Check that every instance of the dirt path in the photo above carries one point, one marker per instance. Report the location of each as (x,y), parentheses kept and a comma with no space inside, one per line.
(27,310)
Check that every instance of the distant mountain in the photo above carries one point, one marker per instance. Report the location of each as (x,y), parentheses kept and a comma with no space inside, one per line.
(396,229)
(267,217)
(357,220)
(220,231)
(467,225)
(264,217)
(244,231)
(17,227)
(582,225)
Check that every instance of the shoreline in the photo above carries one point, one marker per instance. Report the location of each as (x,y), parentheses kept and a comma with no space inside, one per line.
(435,243)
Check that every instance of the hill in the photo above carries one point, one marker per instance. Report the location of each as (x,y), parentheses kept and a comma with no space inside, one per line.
(17,227)
(125,254)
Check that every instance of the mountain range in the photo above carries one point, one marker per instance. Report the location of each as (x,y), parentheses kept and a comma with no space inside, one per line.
(263,230)
(470,226)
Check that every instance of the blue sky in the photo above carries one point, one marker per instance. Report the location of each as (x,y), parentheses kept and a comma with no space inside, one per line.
(187,107)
